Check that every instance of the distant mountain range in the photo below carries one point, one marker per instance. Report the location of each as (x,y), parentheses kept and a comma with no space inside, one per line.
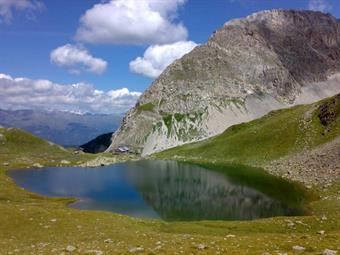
(61,127)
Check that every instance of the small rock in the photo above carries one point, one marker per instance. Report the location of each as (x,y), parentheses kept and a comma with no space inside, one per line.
(136,249)
(300,222)
(291,224)
(65,162)
(230,236)
(321,232)
(158,247)
(70,248)
(43,245)
(324,218)
(2,138)
(53,220)
(201,246)
(298,248)
(38,165)
(6,164)
(329,252)
(108,240)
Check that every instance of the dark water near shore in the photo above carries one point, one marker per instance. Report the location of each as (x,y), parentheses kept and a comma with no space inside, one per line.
(168,190)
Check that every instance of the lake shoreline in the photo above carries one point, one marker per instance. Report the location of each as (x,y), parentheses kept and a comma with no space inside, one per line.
(174,183)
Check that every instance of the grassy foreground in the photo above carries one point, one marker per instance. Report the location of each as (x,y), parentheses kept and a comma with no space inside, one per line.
(31,224)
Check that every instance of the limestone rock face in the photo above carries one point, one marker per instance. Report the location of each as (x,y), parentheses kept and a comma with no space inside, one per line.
(266,61)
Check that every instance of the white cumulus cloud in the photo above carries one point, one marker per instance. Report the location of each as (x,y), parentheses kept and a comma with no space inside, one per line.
(77,59)
(24,93)
(319,5)
(28,6)
(132,22)
(157,57)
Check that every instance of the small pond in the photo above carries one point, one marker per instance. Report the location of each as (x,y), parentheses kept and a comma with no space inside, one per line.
(169,190)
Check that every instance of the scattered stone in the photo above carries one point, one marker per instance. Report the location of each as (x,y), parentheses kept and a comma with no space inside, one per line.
(53,220)
(38,165)
(136,250)
(323,217)
(300,222)
(43,245)
(321,232)
(202,246)
(230,236)
(70,248)
(329,252)
(158,247)
(298,248)
(6,164)
(2,138)
(108,240)
(99,161)
(291,224)
(65,162)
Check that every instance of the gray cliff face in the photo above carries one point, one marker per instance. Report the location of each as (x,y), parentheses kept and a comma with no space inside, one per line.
(266,61)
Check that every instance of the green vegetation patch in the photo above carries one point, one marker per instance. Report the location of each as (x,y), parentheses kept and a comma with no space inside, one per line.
(146,107)
(179,117)
(184,132)
(167,119)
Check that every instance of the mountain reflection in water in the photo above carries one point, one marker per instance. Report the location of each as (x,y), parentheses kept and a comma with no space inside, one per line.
(179,191)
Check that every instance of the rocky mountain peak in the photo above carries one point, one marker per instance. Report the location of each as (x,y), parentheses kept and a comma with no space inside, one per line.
(250,66)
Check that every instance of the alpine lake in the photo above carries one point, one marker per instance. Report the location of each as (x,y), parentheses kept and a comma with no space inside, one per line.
(170,190)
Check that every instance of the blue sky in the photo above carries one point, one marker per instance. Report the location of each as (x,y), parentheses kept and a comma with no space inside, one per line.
(33,31)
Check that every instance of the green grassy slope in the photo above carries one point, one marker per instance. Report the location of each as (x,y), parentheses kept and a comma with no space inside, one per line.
(19,148)
(277,134)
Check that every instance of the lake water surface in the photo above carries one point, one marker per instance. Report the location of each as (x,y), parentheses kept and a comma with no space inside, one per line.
(168,190)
